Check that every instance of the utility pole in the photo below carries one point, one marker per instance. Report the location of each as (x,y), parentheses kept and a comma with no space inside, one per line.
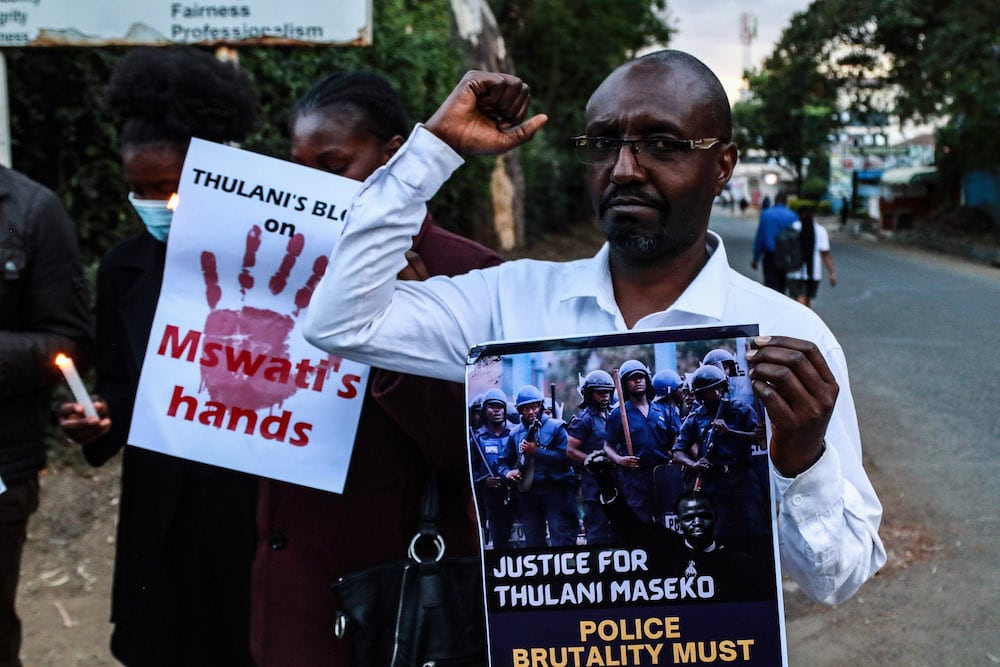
(748,33)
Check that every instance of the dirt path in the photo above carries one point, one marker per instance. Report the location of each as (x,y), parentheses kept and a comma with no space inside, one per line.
(65,586)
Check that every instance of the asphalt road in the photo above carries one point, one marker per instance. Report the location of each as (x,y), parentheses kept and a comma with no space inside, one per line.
(921,332)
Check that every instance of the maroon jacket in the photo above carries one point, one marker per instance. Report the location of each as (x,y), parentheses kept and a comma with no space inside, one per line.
(309,538)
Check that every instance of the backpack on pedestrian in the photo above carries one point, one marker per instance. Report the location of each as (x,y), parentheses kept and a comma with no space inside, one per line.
(788,249)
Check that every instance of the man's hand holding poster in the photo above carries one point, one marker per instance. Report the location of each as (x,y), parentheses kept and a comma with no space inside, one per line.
(227,378)
(647,536)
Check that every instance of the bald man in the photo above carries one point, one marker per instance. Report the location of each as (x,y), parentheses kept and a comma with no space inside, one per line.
(657,149)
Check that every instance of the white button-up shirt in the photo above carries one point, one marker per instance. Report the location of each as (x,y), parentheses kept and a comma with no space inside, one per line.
(829,515)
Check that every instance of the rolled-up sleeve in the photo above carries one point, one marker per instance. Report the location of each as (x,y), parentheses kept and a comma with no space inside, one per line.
(829,515)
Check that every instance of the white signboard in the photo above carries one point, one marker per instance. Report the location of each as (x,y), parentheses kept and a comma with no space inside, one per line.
(103,22)
(228,378)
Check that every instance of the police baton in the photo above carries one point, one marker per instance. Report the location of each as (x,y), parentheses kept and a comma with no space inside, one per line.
(621,409)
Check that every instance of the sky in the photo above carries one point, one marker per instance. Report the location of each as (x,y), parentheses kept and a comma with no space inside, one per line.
(710,31)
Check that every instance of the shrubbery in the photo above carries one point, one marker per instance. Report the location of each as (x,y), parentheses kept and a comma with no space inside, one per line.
(822,207)
(63,138)
(814,188)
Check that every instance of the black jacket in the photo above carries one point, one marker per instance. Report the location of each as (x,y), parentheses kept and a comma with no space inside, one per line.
(185,529)
(43,311)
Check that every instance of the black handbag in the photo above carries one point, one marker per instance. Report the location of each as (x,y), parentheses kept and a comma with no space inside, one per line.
(425,611)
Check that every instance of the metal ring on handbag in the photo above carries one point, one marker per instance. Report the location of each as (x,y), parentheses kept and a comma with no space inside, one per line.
(340,626)
(438,543)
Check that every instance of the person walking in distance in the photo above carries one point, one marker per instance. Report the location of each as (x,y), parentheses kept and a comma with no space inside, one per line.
(803,282)
(772,220)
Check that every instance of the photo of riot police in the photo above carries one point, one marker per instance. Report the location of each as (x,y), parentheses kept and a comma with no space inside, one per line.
(639,436)
(537,465)
(586,435)
(666,420)
(715,446)
(741,569)
(489,433)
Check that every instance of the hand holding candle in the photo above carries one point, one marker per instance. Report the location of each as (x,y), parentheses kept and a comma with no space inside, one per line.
(68,369)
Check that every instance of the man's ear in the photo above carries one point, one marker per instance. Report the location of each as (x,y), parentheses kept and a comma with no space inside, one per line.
(725,164)
(392,146)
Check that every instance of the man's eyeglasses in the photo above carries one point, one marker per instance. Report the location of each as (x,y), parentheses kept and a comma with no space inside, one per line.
(601,150)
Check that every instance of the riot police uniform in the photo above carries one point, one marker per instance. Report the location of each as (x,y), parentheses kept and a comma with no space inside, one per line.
(493,490)
(652,435)
(731,482)
(548,501)
(588,427)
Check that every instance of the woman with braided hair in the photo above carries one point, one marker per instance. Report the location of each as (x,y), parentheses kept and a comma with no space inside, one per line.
(186,530)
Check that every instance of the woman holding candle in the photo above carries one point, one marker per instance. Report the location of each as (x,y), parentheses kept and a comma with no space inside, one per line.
(186,530)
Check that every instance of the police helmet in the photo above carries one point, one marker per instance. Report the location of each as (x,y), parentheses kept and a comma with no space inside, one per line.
(720,356)
(598,380)
(495,396)
(633,366)
(666,382)
(528,394)
(708,377)
(476,403)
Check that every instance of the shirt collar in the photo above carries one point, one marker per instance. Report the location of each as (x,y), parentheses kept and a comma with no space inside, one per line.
(704,297)
(592,279)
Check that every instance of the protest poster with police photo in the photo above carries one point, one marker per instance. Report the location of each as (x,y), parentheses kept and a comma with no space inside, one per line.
(623,494)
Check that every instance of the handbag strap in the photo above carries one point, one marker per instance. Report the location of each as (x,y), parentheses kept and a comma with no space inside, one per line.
(427,528)
(429,505)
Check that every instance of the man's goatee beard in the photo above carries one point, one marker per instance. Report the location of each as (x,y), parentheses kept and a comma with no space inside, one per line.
(641,250)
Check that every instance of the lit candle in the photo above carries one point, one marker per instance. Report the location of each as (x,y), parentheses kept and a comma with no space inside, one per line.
(68,369)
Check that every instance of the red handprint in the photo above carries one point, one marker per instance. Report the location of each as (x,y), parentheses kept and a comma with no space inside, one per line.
(251,344)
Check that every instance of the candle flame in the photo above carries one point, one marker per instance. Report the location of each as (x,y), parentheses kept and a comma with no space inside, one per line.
(173,201)
(62,360)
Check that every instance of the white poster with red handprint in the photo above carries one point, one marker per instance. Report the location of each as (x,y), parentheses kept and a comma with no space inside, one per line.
(228,378)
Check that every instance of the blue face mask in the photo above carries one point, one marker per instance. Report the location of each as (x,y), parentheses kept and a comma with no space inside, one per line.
(155,215)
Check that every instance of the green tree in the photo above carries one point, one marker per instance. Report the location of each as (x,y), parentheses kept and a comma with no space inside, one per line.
(922,60)
(413,48)
(946,65)
(792,112)
(62,135)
